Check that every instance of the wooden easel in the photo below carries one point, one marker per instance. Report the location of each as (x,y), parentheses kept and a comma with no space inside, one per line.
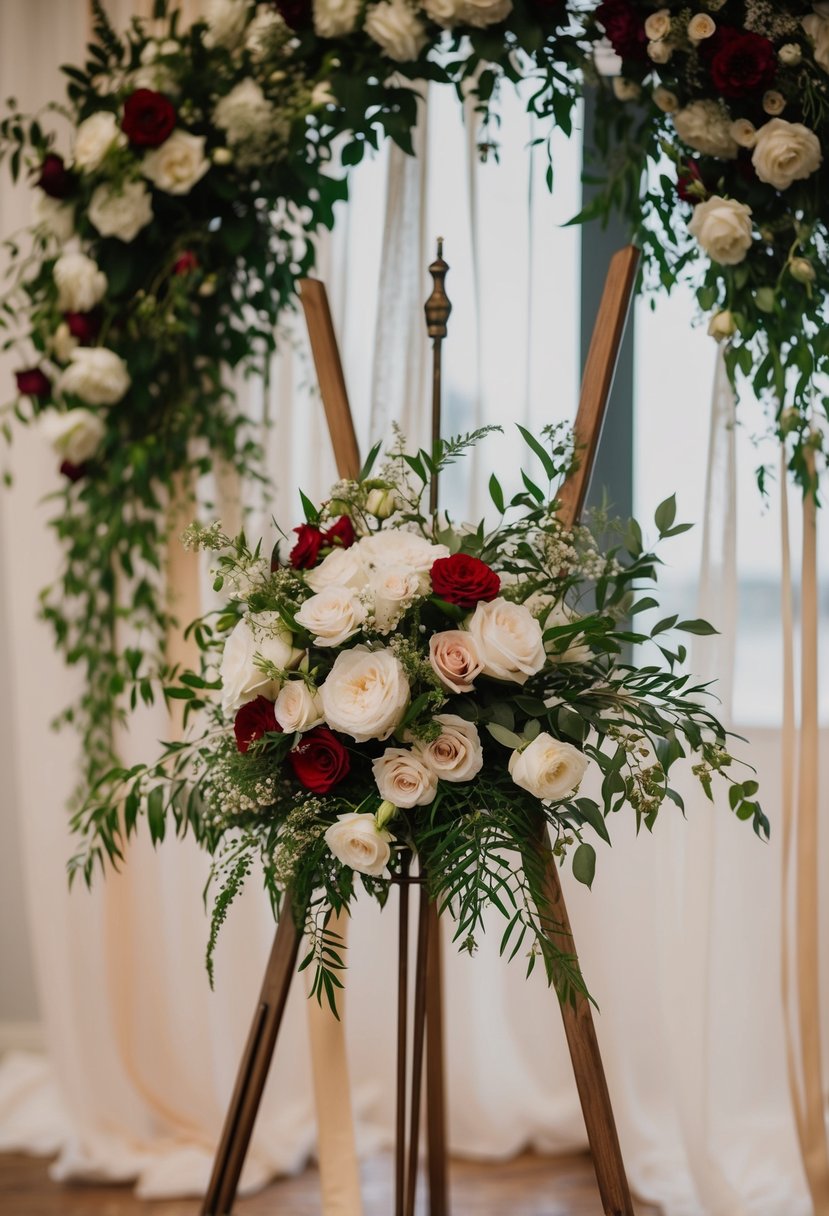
(428,1002)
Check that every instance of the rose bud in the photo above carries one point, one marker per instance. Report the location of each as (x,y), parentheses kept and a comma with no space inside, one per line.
(275,558)
(186,263)
(381,502)
(55,179)
(34,383)
(149,118)
(802,270)
(73,472)
(722,325)
(83,326)
(307,548)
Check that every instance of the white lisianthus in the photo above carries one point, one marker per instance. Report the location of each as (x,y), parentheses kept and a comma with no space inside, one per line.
(394,547)
(508,639)
(482,13)
(332,616)
(705,126)
(722,325)
(54,217)
(547,768)
(357,842)
(701,27)
(786,152)
(244,113)
(340,568)
(722,226)
(226,22)
(403,778)
(658,25)
(454,657)
(457,754)
(94,138)
(744,132)
(297,708)
(397,30)
(395,589)
(366,694)
(121,213)
(334,18)
(555,614)
(97,375)
(816,26)
(81,285)
(76,435)
(178,164)
(263,635)
(626,90)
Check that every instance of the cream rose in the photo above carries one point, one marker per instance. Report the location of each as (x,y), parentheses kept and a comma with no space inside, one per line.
(785,152)
(626,90)
(701,27)
(554,614)
(226,22)
(81,285)
(261,635)
(457,754)
(97,375)
(76,435)
(395,27)
(703,125)
(791,55)
(333,18)
(722,227)
(508,639)
(332,616)
(455,660)
(94,138)
(548,768)
(381,503)
(341,568)
(244,113)
(447,13)
(482,13)
(178,164)
(817,27)
(297,708)
(404,779)
(774,102)
(661,52)
(121,213)
(744,132)
(366,694)
(357,842)
(54,217)
(395,588)
(667,101)
(658,25)
(394,547)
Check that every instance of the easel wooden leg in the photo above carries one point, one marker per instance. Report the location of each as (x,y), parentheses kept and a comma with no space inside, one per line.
(253,1070)
(435,1087)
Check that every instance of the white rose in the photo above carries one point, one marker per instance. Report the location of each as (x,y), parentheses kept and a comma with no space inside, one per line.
(297,708)
(723,228)
(457,755)
(701,27)
(817,27)
(53,217)
(791,55)
(178,164)
(366,694)
(667,101)
(508,639)
(744,132)
(554,614)
(81,285)
(482,13)
(332,616)
(722,325)
(454,657)
(341,568)
(94,138)
(121,213)
(786,152)
(658,25)
(703,125)
(394,547)
(626,90)
(334,18)
(547,768)
(244,113)
(395,589)
(226,22)
(97,375)
(262,634)
(358,843)
(394,26)
(404,779)
(76,435)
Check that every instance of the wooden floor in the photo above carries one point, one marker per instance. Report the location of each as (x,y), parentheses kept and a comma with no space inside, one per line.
(527,1186)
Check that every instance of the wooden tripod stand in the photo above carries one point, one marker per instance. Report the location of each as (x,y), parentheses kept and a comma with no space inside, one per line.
(427,1015)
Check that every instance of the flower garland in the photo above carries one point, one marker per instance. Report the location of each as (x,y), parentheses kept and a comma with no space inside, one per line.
(733,144)
(407,686)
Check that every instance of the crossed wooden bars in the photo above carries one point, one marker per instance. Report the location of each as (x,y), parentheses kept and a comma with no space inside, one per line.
(578,1017)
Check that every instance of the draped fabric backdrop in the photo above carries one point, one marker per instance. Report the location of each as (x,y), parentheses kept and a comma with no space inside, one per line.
(680,937)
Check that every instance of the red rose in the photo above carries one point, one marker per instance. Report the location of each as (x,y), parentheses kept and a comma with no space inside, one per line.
(55,179)
(341,534)
(254,720)
(34,383)
(320,761)
(73,472)
(624,27)
(307,548)
(295,13)
(149,118)
(741,62)
(464,580)
(689,176)
(185,263)
(84,326)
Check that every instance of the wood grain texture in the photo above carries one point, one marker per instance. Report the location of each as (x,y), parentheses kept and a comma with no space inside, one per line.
(330,375)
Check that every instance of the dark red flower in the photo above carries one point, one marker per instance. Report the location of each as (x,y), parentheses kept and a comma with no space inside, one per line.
(74,472)
(255,719)
(295,13)
(34,383)
(688,177)
(55,179)
(84,326)
(341,534)
(624,27)
(185,263)
(149,118)
(464,580)
(307,548)
(741,62)
(320,761)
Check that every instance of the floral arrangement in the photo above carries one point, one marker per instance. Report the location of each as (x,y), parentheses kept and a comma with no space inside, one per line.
(722,108)
(405,685)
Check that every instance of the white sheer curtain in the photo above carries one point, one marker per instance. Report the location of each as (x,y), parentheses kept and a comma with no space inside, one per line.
(678,938)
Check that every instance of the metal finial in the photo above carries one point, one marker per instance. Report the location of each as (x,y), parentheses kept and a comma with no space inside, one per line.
(438,306)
